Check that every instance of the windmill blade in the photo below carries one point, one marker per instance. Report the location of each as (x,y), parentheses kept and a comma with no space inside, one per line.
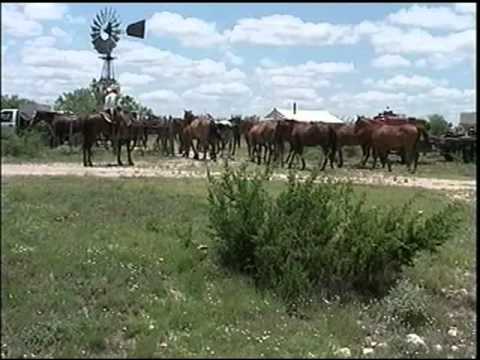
(97,24)
(104,15)
(94,29)
(110,13)
(99,18)
(116,23)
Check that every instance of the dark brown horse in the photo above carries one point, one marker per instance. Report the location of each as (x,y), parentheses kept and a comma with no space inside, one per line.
(227,139)
(61,126)
(313,134)
(120,130)
(385,138)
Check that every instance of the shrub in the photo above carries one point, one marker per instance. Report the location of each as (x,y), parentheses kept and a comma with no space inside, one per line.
(31,144)
(236,214)
(314,234)
(408,303)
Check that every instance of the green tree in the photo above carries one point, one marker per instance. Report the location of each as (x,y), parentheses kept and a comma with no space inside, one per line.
(438,124)
(81,100)
(128,103)
(14,102)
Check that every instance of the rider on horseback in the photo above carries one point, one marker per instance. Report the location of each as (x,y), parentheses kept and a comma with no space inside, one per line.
(111,102)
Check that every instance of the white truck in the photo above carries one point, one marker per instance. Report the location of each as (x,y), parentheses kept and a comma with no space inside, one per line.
(13,120)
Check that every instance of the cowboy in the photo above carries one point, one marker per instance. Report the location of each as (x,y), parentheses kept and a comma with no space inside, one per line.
(111,102)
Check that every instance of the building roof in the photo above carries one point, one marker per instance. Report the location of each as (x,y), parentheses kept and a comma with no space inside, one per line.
(304,115)
(468,118)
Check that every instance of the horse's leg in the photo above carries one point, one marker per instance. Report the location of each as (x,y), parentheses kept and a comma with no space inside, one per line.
(89,153)
(129,152)
(366,152)
(84,148)
(374,154)
(326,154)
(389,163)
(290,157)
(119,151)
(300,153)
(340,157)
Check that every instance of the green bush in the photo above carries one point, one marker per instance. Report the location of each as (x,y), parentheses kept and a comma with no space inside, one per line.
(31,144)
(408,303)
(236,214)
(316,235)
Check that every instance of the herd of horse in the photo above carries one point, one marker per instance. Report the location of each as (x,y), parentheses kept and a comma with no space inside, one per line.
(266,140)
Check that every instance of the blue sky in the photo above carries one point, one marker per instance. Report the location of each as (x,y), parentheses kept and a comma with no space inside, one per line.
(247,58)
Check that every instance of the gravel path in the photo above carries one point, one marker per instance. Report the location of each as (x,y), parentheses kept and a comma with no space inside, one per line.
(180,169)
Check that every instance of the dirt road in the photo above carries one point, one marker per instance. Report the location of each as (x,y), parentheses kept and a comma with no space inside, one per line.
(461,189)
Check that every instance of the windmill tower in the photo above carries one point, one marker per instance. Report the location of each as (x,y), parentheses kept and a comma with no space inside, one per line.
(105,33)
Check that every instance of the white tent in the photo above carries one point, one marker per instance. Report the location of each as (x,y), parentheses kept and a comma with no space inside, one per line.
(304,115)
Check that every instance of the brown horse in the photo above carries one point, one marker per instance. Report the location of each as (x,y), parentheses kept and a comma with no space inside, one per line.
(385,138)
(120,129)
(346,137)
(313,134)
(203,129)
(61,127)
(283,133)
(244,127)
(262,136)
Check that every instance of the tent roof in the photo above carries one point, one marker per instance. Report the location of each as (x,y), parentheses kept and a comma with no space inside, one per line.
(304,115)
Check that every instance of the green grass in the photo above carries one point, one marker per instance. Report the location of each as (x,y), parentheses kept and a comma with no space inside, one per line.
(110,268)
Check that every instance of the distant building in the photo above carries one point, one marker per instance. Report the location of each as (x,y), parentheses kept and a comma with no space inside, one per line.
(30,108)
(303,115)
(468,120)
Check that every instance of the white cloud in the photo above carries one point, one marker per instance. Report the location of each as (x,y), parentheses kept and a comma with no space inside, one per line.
(311,68)
(76,20)
(160,96)
(233,59)
(189,31)
(60,33)
(287,30)
(297,94)
(440,61)
(390,61)
(267,62)
(466,7)
(132,79)
(15,23)
(396,41)
(421,63)
(414,82)
(432,17)
(443,93)
(45,11)
(220,89)
(41,42)
(178,70)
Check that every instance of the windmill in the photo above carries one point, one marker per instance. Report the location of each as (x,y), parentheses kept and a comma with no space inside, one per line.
(105,32)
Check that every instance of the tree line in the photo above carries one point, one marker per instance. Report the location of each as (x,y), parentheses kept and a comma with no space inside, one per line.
(82,100)
(89,100)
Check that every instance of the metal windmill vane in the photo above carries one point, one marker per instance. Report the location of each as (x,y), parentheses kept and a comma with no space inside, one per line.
(105,32)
